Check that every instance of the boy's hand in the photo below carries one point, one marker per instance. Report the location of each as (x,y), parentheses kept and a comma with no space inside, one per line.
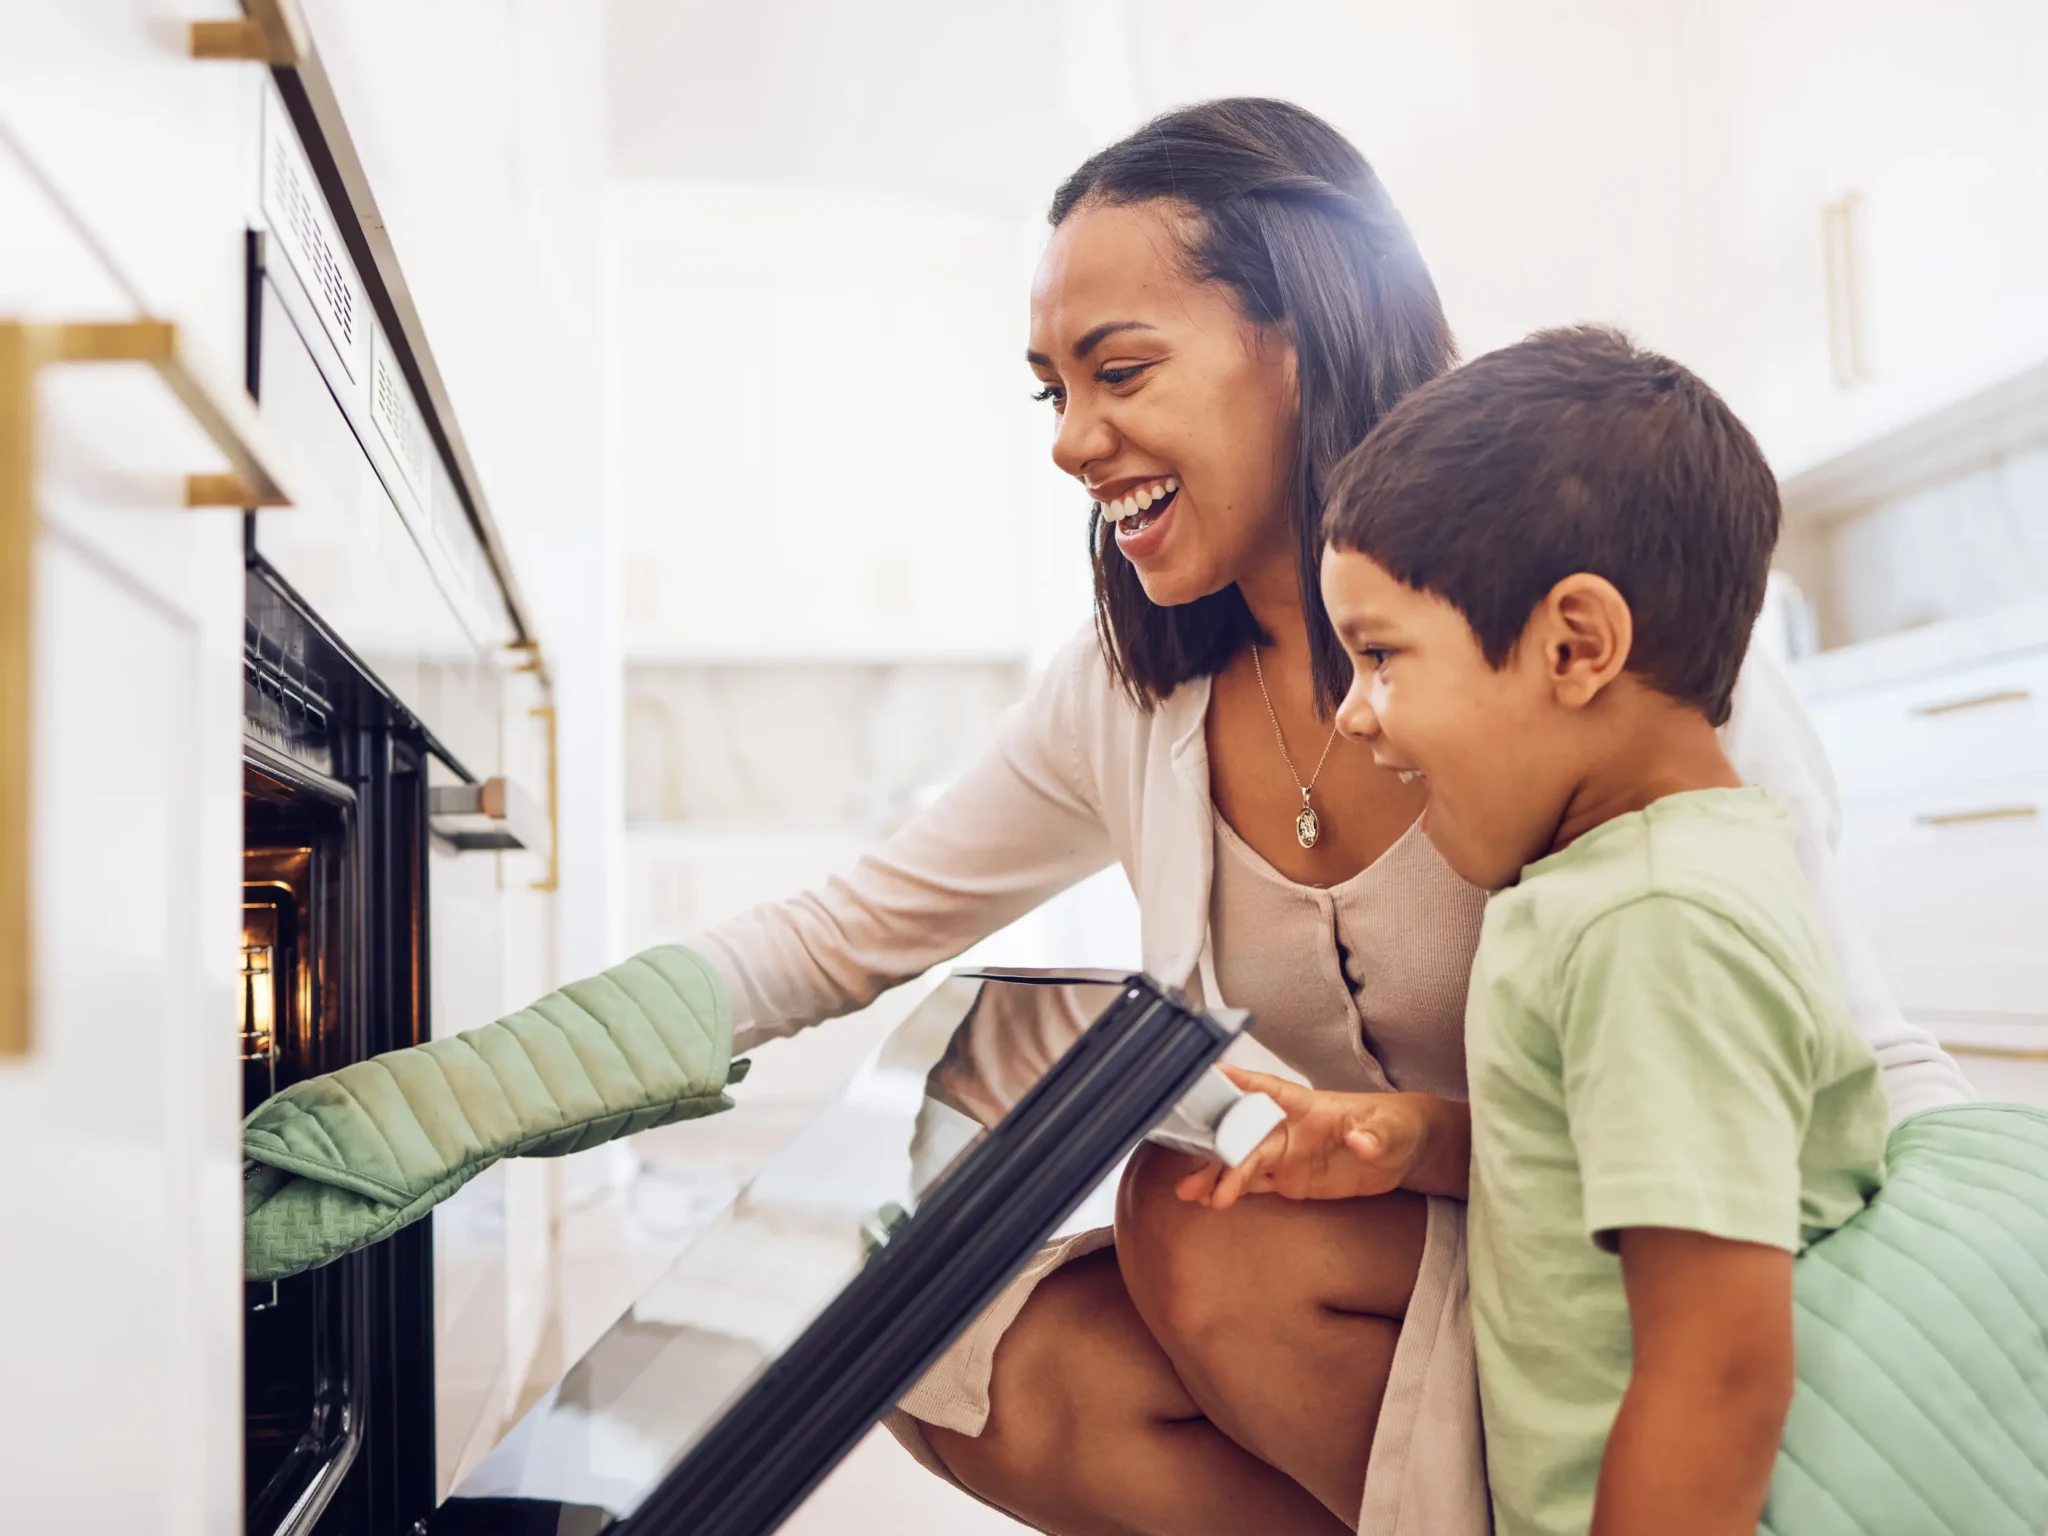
(1692,1449)
(1336,1146)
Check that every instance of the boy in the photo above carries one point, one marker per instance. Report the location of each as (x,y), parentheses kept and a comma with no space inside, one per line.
(1546,566)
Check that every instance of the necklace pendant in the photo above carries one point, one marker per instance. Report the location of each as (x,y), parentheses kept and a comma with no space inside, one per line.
(1307,828)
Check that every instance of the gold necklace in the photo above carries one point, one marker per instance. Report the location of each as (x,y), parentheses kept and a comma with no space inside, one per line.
(1307,826)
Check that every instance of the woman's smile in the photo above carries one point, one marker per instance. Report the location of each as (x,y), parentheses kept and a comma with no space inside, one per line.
(1137,502)
(1143,521)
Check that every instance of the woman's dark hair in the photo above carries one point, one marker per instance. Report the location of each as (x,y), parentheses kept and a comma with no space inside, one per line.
(1294,221)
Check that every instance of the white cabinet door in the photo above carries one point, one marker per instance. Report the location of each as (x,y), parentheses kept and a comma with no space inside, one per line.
(1934,117)
(120,1294)
(1954,885)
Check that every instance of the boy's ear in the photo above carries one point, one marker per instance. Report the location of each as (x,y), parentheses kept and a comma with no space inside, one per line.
(1587,633)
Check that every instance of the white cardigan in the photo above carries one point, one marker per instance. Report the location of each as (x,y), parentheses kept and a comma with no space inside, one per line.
(1079,778)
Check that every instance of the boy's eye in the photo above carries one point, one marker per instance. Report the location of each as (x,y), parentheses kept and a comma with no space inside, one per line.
(1377,655)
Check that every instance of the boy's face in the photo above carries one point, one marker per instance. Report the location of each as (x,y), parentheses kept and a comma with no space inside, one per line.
(1491,745)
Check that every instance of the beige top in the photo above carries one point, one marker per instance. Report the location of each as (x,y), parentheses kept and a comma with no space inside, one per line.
(1360,986)
(1080,777)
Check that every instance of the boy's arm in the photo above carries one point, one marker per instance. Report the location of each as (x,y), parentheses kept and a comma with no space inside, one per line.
(1692,1449)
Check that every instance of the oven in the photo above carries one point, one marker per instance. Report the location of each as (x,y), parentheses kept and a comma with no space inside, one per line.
(338,1363)
(395,873)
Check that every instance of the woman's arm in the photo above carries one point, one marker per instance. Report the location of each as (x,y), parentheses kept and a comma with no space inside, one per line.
(1773,745)
(1018,827)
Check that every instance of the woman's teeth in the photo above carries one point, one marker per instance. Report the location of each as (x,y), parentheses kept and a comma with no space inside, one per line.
(1407,775)
(1134,511)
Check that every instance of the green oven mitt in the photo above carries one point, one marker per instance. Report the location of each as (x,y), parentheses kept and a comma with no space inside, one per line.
(1922,1327)
(340,1161)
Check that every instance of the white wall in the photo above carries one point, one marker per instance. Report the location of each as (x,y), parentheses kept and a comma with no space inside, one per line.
(824,420)
(1534,149)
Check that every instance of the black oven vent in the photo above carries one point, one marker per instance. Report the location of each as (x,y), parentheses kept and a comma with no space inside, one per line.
(287,702)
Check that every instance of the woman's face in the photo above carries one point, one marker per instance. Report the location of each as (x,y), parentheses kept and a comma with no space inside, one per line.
(1174,410)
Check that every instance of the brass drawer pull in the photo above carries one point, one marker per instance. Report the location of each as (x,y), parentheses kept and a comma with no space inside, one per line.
(532,662)
(270,33)
(1988,813)
(1978,701)
(252,481)
(1997,1052)
(552,880)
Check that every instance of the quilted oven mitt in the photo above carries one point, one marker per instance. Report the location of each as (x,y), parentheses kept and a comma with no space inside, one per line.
(1922,1327)
(338,1162)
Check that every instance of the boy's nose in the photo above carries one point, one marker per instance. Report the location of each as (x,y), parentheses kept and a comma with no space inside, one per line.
(1355,717)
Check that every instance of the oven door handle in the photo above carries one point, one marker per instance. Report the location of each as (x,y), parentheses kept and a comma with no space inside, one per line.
(253,480)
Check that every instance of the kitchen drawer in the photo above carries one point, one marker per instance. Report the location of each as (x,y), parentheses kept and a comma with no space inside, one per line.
(2004,1062)
(1953,886)
(1966,726)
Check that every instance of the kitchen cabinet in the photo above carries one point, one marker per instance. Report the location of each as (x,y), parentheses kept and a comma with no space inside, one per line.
(1939,742)
(1925,130)
(148,148)
(120,1299)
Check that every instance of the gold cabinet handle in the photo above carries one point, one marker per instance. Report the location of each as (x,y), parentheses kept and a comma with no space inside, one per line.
(270,32)
(552,880)
(1976,701)
(534,663)
(252,481)
(1841,236)
(1997,1052)
(1984,813)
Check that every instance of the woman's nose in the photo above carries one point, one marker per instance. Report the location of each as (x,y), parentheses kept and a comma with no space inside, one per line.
(1084,438)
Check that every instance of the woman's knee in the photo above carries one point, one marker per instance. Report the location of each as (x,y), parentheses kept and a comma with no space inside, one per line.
(1197,1274)
(1072,1375)
(1162,1249)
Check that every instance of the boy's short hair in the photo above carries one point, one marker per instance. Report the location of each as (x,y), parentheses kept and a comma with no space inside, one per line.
(1575,450)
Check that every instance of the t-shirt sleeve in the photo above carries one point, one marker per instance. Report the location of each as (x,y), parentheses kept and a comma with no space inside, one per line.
(1687,1059)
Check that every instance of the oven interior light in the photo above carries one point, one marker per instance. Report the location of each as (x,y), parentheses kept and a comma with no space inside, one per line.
(259,1005)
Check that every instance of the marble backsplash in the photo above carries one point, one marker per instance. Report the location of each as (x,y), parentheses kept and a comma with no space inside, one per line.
(1950,550)
(830,744)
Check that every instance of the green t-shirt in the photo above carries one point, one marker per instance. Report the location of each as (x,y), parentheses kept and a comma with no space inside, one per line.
(1656,1037)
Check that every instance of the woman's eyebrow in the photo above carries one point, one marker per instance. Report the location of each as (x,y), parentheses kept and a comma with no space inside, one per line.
(1089,342)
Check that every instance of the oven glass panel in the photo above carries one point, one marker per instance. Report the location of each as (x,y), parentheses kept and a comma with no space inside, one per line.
(293,1022)
(825,1210)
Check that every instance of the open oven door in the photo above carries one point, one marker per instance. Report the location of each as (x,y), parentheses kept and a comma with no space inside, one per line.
(849,1263)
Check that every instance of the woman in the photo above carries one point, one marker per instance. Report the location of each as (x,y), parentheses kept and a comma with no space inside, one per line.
(1229,301)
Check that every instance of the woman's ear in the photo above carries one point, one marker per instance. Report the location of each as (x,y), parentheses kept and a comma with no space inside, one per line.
(1588,632)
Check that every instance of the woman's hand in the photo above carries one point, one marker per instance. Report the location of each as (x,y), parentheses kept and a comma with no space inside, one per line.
(1337,1146)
